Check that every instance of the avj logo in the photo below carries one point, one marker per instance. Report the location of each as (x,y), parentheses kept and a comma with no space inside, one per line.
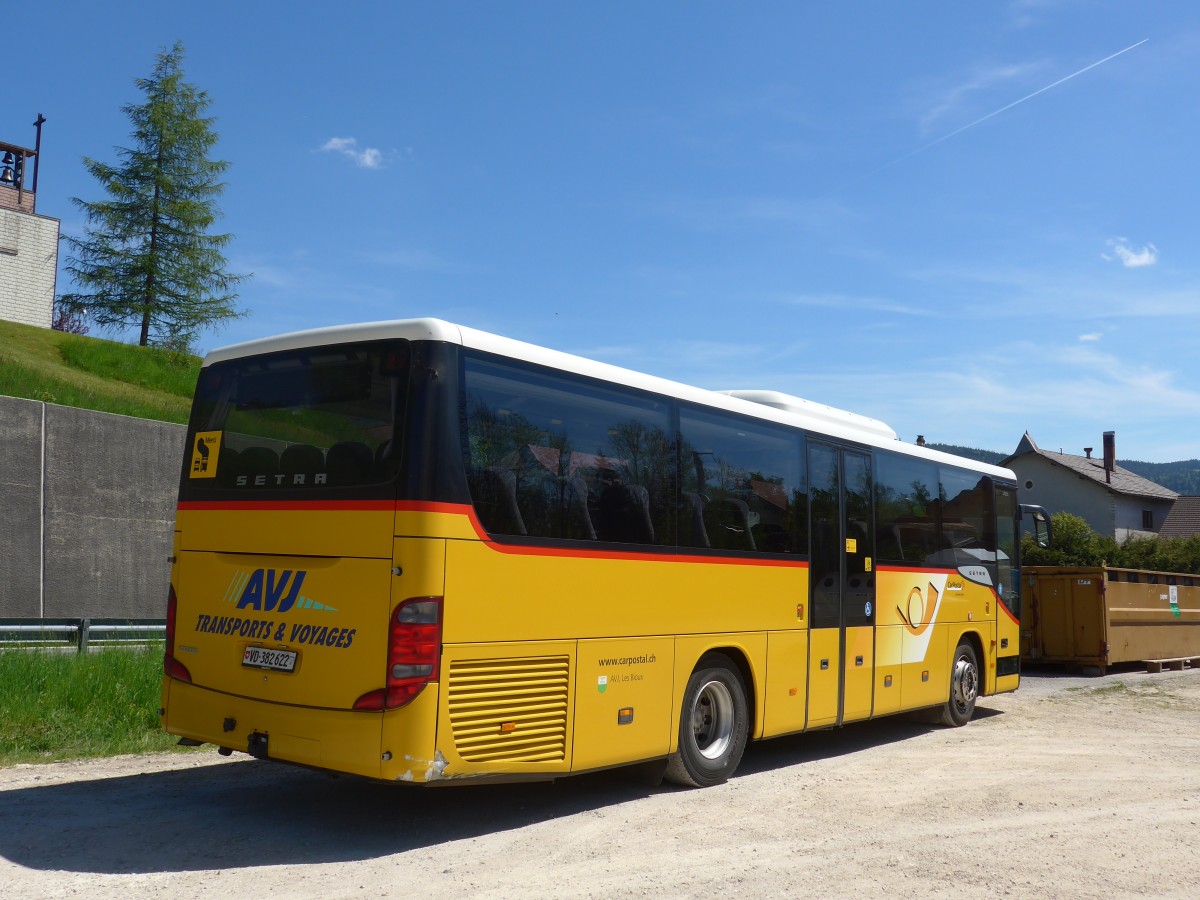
(270,590)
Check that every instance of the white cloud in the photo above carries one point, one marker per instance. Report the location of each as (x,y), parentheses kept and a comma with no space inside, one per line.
(1130,257)
(1028,13)
(950,101)
(366,158)
(1089,338)
(1008,291)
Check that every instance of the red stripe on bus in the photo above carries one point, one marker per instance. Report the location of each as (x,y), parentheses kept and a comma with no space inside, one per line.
(368,505)
(291,505)
(583,553)
(433,506)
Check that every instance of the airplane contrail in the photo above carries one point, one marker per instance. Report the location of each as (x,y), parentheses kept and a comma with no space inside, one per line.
(997,112)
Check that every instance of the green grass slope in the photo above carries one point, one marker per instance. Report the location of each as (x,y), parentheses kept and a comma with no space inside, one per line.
(91,373)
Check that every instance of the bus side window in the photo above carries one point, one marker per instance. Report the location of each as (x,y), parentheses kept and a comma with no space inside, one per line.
(968,520)
(623,511)
(739,484)
(495,493)
(906,508)
(587,462)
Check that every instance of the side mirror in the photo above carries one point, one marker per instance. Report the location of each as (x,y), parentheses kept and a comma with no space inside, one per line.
(1040,520)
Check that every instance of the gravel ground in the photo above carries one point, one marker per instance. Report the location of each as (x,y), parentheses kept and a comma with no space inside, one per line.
(1071,787)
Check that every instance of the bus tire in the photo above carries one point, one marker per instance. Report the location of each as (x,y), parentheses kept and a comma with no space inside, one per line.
(713,725)
(964,687)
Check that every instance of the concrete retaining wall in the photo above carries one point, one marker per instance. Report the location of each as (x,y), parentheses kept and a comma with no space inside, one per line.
(87,511)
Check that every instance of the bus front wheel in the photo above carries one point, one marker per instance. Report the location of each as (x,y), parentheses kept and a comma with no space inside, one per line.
(713,725)
(964,687)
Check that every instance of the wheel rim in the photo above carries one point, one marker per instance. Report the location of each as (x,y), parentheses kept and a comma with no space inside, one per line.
(966,683)
(712,720)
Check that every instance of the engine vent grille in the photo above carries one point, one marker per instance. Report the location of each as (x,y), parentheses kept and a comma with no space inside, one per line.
(509,710)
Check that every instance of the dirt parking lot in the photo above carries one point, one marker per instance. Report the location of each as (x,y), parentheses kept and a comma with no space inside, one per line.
(1072,787)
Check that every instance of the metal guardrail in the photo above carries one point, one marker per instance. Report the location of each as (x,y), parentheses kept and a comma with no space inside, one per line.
(82,634)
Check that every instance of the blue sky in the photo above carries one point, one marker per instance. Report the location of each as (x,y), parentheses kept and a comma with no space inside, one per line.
(967,219)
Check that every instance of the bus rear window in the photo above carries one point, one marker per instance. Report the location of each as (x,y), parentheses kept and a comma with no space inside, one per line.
(344,381)
(299,421)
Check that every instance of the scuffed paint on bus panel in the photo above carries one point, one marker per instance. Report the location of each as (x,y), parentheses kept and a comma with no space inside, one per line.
(407,749)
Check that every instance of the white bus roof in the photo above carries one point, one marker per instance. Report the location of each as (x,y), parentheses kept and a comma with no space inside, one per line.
(770,405)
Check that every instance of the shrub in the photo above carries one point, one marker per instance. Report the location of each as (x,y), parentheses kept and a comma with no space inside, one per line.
(1076,544)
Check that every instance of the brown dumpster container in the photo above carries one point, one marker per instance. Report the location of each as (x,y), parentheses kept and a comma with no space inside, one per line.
(1103,616)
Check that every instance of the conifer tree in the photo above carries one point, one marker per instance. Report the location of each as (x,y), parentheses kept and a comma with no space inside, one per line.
(146,259)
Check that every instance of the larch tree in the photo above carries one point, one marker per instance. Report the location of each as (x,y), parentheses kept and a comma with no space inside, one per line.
(146,259)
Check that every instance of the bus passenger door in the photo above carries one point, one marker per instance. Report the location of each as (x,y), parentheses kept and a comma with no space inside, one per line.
(842,579)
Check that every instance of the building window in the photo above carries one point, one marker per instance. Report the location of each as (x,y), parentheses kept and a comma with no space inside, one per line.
(1147,520)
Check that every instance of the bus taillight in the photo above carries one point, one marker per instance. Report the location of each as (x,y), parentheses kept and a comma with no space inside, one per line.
(414,649)
(172,666)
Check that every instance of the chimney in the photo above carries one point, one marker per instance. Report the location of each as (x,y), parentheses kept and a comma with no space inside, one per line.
(1087,451)
(1110,455)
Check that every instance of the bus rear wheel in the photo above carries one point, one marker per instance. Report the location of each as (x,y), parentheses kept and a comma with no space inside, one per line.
(713,725)
(964,687)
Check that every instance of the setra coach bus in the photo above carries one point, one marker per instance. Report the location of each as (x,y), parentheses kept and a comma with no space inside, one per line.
(419,552)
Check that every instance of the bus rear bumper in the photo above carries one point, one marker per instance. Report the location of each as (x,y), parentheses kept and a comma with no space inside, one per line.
(395,745)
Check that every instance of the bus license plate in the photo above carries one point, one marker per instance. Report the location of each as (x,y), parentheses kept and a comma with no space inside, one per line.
(265,658)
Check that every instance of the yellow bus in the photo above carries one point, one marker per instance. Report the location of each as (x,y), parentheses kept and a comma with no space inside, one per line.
(419,552)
